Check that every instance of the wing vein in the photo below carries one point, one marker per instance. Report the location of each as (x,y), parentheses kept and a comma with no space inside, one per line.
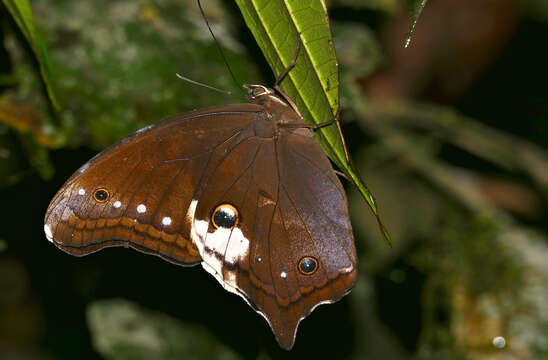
(304,224)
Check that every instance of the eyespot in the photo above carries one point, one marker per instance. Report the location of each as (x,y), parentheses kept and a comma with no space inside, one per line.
(101,195)
(225,216)
(308,265)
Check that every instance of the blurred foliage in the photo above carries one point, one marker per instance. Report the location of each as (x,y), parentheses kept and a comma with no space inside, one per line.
(450,134)
(121,330)
(21,12)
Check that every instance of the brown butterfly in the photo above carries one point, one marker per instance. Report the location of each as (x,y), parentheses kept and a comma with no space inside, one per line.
(245,190)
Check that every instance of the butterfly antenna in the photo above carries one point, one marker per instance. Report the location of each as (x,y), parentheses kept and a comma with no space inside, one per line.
(202,84)
(218,44)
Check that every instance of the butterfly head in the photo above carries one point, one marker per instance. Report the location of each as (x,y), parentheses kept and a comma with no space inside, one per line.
(255,93)
(271,101)
(261,95)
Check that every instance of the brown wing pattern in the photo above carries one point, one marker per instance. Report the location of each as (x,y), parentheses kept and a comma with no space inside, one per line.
(291,206)
(150,179)
(259,206)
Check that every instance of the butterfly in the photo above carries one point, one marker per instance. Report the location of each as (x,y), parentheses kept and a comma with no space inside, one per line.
(244,190)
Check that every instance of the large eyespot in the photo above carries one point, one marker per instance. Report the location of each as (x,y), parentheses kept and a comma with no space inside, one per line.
(225,216)
(100,195)
(308,265)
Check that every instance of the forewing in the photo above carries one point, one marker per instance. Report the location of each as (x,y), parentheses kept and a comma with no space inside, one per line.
(150,179)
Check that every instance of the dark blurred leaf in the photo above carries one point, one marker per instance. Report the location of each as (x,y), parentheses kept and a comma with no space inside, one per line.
(360,55)
(26,117)
(21,12)
(375,340)
(415,8)
(122,330)
(538,9)
(499,148)
(12,163)
(38,157)
(313,84)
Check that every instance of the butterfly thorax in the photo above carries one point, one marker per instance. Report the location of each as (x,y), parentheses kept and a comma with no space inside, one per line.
(278,113)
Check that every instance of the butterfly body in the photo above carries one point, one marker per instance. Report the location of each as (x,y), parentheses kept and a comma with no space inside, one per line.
(245,190)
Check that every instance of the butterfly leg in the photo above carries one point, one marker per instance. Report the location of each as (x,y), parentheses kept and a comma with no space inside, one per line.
(292,104)
(308,126)
(341,174)
(335,120)
(284,74)
(291,64)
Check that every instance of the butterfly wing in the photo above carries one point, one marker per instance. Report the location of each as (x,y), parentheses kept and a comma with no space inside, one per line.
(158,191)
(291,208)
(138,192)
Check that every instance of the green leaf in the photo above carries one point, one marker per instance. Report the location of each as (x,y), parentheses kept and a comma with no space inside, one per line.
(21,12)
(313,84)
(415,9)
(387,6)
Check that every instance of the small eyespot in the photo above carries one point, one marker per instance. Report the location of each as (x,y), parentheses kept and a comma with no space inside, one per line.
(101,195)
(308,265)
(225,216)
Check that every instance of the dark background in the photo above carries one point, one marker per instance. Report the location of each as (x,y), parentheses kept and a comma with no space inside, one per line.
(450,134)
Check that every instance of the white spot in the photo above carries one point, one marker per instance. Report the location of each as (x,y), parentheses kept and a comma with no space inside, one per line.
(49,235)
(238,247)
(143,129)
(190,213)
(84,167)
(215,243)
(265,201)
(166,221)
(283,274)
(82,192)
(117,204)
(197,233)
(347,270)
(259,259)
(230,277)
(499,342)
(141,208)
(220,247)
